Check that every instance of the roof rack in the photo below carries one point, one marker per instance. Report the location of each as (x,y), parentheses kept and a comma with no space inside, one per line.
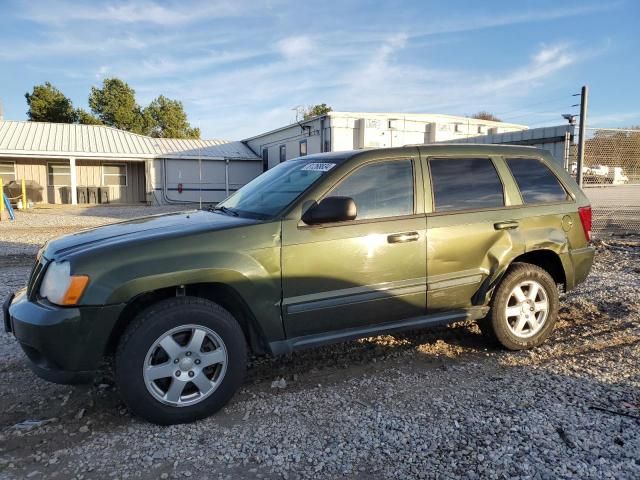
(444,144)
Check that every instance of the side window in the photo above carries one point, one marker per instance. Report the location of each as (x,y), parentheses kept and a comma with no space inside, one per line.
(7,171)
(303,148)
(114,174)
(59,174)
(265,159)
(283,153)
(536,182)
(383,189)
(465,184)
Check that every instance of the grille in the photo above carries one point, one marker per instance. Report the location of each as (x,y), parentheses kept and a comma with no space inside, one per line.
(35,277)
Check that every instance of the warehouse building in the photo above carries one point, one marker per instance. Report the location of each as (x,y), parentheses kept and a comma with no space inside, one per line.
(337,131)
(68,163)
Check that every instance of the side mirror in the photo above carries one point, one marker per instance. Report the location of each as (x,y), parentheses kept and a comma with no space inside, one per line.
(331,209)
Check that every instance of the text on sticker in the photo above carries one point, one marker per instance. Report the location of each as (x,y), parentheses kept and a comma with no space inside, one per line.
(319,167)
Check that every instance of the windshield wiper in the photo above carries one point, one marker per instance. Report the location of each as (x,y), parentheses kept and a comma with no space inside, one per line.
(227,210)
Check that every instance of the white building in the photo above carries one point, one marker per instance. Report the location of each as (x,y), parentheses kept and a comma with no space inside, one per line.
(337,131)
(68,163)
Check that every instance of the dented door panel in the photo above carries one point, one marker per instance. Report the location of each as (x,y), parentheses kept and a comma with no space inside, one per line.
(464,253)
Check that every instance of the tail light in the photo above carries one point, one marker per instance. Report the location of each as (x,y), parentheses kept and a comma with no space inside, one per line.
(585,218)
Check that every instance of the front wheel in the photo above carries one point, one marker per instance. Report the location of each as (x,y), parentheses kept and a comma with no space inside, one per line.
(524,308)
(180,360)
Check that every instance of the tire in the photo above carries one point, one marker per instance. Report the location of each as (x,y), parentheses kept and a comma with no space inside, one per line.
(521,328)
(154,356)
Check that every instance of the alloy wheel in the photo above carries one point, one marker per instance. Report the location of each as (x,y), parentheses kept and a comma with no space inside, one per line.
(527,309)
(185,365)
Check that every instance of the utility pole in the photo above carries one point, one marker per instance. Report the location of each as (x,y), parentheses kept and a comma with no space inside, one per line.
(584,94)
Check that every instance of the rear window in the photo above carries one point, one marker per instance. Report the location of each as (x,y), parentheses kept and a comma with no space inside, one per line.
(537,183)
(465,184)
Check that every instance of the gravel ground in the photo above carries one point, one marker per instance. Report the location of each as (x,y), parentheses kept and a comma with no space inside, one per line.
(438,403)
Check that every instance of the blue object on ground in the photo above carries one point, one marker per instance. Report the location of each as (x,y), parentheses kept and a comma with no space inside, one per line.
(7,204)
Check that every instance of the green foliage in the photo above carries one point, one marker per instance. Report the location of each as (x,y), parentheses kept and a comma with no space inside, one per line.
(166,118)
(316,110)
(484,115)
(85,118)
(115,105)
(48,104)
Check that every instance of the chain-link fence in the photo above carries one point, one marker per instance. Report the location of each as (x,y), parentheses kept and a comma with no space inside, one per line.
(611,179)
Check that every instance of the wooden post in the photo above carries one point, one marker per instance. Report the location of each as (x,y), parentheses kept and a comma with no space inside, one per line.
(584,95)
(74,189)
(1,199)
(24,194)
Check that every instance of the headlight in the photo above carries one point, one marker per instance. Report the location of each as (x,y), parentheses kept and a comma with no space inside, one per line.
(60,287)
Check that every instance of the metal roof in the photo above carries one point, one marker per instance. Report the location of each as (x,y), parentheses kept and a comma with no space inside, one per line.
(19,138)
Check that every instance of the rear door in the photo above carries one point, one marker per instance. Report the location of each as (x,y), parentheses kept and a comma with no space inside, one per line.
(361,272)
(470,229)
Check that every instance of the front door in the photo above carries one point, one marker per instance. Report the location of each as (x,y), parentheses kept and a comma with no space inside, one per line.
(366,271)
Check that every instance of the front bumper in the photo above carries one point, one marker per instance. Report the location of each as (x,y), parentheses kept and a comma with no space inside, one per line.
(63,344)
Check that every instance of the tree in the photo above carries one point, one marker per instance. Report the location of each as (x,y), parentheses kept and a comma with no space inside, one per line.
(484,115)
(316,110)
(86,118)
(115,105)
(48,104)
(166,118)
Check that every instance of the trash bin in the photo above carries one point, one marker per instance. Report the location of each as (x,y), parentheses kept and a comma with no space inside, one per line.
(82,194)
(104,194)
(92,194)
(65,194)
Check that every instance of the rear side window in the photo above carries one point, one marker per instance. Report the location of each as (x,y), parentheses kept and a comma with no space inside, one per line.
(465,184)
(536,182)
(382,189)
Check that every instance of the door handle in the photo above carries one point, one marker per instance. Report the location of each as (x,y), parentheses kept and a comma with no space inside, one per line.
(510,225)
(403,237)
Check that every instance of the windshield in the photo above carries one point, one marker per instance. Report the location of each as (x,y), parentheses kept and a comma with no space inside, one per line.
(271,192)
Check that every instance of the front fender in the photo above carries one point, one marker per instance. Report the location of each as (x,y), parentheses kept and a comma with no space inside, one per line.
(246,259)
(242,272)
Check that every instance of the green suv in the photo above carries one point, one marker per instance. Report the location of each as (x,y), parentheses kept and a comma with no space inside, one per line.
(320,249)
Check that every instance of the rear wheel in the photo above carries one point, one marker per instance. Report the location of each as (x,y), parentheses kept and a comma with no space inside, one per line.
(180,360)
(524,308)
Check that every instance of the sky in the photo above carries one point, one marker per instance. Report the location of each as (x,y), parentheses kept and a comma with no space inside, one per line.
(242,67)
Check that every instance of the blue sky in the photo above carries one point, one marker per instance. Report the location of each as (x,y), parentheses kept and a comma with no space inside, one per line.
(240,67)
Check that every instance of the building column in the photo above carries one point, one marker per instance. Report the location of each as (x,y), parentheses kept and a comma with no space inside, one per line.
(74,182)
(226,176)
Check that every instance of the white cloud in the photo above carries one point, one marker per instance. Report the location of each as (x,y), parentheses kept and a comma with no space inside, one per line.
(102,72)
(146,11)
(613,120)
(238,73)
(295,47)
(537,14)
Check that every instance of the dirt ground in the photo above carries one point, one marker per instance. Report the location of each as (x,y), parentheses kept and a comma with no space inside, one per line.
(437,403)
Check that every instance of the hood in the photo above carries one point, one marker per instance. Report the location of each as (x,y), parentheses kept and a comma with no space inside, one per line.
(140,230)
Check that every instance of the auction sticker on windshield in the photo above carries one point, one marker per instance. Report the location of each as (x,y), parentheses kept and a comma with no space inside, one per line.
(319,167)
